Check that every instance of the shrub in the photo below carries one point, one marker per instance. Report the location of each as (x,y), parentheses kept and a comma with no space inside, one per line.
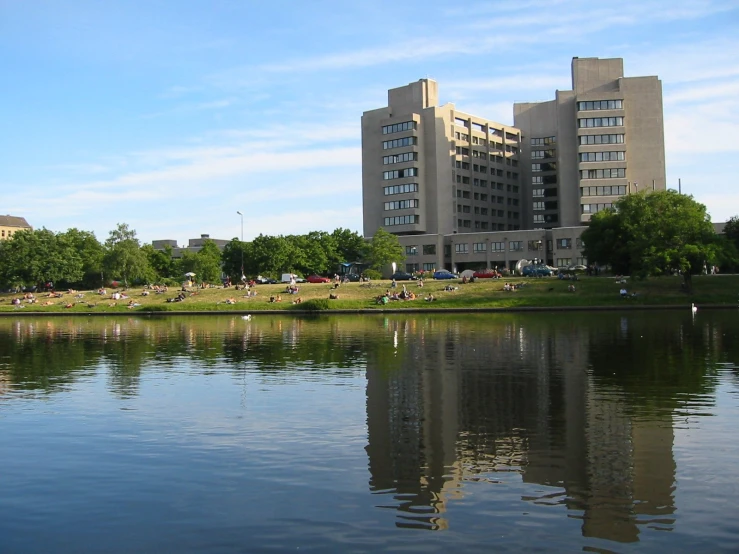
(314,305)
(372,274)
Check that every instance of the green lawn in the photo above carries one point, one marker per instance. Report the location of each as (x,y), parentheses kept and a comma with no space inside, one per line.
(543,292)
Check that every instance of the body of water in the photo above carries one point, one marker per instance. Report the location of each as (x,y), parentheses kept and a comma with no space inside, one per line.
(605,432)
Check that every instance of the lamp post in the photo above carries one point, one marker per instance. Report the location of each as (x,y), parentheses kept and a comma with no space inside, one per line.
(242,244)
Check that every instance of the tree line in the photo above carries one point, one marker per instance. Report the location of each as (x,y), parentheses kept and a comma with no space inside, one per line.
(77,259)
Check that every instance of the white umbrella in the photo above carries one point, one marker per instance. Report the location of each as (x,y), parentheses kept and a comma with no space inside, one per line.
(467,273)
(189,274)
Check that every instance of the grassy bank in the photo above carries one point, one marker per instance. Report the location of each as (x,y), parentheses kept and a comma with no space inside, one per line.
(543,293)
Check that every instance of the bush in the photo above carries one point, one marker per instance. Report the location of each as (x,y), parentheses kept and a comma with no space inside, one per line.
(372,274)
(315,305)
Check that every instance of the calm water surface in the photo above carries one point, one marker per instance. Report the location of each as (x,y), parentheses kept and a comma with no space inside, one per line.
(604,432)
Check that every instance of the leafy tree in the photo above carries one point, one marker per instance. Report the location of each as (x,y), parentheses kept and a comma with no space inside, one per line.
(38,256)
(272,256)
(161,261)
(91,253)
(731,231)
(232,256)
(384,248)
(653,234)
(350,246)
(124,257)
(208,263)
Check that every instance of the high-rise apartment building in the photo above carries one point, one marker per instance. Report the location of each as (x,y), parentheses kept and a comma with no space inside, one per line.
(463,192)
(590,145)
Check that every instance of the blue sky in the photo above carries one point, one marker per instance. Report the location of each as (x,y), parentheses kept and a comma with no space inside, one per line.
(172,115)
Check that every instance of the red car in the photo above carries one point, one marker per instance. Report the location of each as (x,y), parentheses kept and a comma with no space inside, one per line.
(486,274)
(317,279)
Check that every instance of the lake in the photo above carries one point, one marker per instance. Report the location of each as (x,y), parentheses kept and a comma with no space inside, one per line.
(603,432)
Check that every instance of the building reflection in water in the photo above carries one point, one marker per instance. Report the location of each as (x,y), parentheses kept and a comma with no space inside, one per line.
(455,406)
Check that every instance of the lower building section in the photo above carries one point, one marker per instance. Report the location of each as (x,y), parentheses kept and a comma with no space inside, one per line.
(558,247)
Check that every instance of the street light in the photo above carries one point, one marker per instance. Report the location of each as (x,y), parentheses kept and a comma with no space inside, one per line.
(243,277)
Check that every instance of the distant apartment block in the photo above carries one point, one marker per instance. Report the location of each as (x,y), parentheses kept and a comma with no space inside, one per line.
(461,191)
(591,145)
(10,224)
(194,245)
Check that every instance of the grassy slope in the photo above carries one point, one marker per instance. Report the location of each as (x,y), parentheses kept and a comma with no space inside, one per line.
(545,292)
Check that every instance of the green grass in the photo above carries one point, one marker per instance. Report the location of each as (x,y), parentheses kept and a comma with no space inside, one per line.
(542,293)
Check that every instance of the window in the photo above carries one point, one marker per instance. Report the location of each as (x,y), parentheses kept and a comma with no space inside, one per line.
(548,166)
(401,220)
(535,245)
(401,204)
(465,194)
(564,243)
(595,208)
(578,243)
(399,127)
(399,143)
(401,189)
(543,141)
(602,156)
(483,211)
(484,197)
(429,266)
(461,248)
(564,262)
(501,213)
(613,173)
(601,105)
(411,268)
(538,218)
(461,151)
(600,122)
(411,250)
(515,246)
(429,249)
(537,193)
(461,122)
(497,246)
(602,139)
(511,136)
(538,206)
(612,190)
(400,158)
(465,209)
(478,247)
(537,154)
(466,223)
(400,173)
(484,225)
(465,180)
(478,127)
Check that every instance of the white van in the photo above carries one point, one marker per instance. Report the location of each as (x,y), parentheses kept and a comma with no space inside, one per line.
(287,277)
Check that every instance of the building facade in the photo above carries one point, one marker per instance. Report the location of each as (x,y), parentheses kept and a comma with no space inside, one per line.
(10,224)
(591,145)
(194,245)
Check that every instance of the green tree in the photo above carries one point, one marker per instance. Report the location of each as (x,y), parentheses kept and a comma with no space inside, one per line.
(653,234)
(731,231)
(208,263)
(124,258)
(350,246)
(272,256)
(233,254)
(39,256)
(91,253)
(161,261)
(384,248)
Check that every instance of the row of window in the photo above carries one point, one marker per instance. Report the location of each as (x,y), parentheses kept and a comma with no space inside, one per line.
(613,173)
(402,204)
(399,143)
(401,189)
(545,218)
(602,156)
(400,158)
(541,154)
(400,173)
(484,225)
(543,141)
(547,166)
(10,233)
(541,206)
(401,220)
(399,127)
(481,128)
(614,190)
(482,169)
(428,250)
(567,262)
(601,105)
(478,210)
(600,122)
(601,139)
(544,180)
(594,208)
(464,151)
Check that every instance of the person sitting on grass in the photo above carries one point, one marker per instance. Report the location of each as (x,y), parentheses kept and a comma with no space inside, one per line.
(571,288)
(382,299)
(623,292)
(271,299)
(430,298)
(298,300)
(278,298)
(333,296)
(231,300)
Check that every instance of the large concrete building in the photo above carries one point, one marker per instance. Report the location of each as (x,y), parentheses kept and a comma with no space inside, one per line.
(194,245)
(464,192)
(10,224)
(590,145)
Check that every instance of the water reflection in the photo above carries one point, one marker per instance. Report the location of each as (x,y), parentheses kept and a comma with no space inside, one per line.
(579,408)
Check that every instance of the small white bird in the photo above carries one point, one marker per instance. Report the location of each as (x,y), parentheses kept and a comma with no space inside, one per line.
(693,308)
(246,317)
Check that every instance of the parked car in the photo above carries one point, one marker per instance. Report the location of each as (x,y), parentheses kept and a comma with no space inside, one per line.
(536,271)
(317,279)
(265,281)
(402,276)
(445,274)
(485,274)
(353,277)
(578,267)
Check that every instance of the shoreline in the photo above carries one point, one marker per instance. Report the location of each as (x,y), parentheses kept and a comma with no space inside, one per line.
(339,311)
